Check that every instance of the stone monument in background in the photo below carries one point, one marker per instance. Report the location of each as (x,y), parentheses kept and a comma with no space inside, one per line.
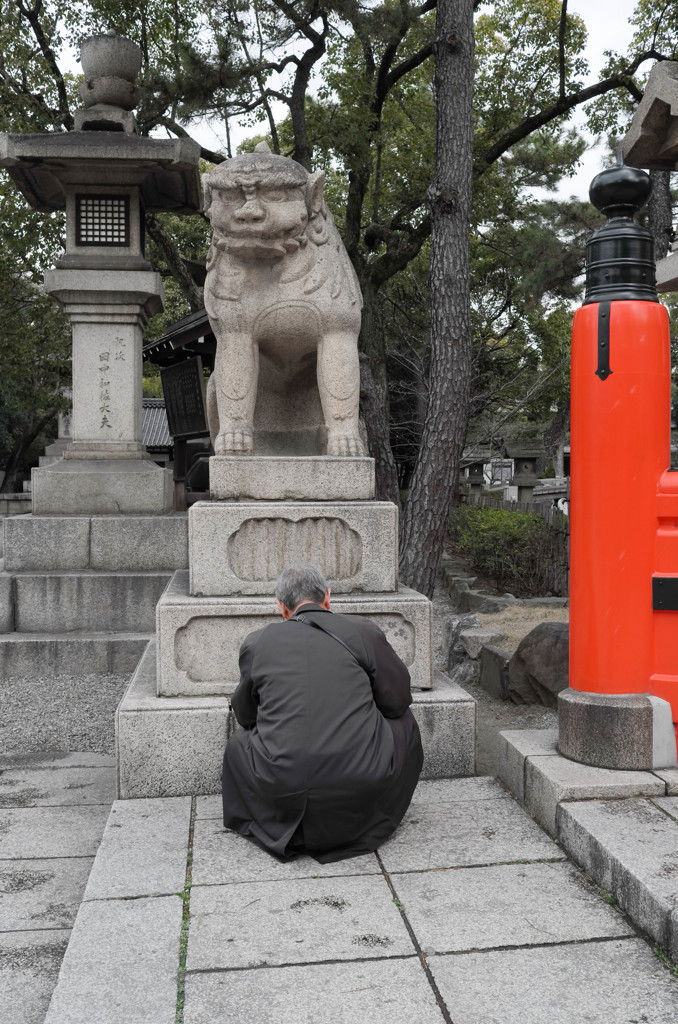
(288,483)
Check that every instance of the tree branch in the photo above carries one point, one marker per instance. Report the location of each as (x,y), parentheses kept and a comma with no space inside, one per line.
(31,15)
(561,106)
(408,65)
(176,265)
(176,129)
(561,48)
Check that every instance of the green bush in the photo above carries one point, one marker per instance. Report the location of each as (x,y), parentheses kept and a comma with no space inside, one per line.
(513,548)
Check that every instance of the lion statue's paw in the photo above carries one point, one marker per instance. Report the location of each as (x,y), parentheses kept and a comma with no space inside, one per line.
(235,438)
(344,443)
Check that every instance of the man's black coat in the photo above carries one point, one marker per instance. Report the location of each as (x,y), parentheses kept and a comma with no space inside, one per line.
(329,756)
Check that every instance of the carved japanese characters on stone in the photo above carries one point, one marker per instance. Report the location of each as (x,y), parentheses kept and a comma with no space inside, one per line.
(279,285)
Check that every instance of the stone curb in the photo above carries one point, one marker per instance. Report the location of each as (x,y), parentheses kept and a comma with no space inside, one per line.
(541,778)
(621,827)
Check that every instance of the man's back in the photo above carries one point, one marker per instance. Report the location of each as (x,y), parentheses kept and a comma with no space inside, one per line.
(317,722)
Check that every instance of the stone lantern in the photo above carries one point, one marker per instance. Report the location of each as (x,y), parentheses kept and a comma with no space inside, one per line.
(525,458)
(106,177)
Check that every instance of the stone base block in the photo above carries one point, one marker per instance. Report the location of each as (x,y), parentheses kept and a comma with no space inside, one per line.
(174,746)
(102,487)
(242,547)
(199,637)
(108,543)
(86,601)
(6,603)
(291,478)
(629,731)
(35,654)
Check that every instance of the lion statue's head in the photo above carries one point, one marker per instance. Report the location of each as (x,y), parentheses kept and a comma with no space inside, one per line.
(263,206)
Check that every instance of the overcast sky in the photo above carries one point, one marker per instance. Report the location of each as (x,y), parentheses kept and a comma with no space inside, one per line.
(608,26)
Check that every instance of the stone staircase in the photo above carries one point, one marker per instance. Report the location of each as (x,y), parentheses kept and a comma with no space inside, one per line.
(78,593)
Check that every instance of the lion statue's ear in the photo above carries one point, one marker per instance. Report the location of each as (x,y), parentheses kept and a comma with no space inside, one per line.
(318,228)
(207,190)
(314,193)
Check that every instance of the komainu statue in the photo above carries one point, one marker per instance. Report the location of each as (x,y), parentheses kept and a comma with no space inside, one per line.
(284,304)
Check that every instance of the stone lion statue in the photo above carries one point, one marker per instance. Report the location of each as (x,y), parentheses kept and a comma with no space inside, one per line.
(280,291)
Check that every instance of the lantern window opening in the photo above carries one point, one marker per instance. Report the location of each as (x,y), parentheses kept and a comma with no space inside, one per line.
(102,220)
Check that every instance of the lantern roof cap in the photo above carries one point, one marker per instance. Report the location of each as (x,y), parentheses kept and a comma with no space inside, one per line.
(45,165)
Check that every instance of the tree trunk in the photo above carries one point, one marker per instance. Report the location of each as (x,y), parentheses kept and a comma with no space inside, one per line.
(660,212)
(386,476)
(424,523)
(371,343)
(554,436)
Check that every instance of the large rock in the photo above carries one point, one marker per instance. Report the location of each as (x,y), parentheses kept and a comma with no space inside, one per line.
(539,669)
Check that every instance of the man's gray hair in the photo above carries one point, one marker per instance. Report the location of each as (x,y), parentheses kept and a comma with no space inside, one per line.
(298,583)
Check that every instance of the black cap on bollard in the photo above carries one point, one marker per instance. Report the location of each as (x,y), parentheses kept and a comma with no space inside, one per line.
(620,255)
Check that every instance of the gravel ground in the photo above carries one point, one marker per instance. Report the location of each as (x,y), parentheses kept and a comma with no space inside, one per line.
(59,713)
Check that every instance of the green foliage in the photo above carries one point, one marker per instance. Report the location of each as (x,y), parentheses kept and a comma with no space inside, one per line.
(151,384)
(512,548)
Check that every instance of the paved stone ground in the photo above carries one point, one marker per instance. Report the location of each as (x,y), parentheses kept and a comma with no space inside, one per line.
(53,811)
(469,914)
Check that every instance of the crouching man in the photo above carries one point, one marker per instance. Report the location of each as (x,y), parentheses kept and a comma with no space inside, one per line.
(329,754)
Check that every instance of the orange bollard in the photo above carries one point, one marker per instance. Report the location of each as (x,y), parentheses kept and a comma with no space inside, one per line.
(623,501)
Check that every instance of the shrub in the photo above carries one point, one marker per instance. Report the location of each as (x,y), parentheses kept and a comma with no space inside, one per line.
(515,549)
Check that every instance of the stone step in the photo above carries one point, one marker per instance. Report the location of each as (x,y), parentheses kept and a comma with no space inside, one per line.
(86,602)
(27,654)
(174,746)
(630,848)
(105,543)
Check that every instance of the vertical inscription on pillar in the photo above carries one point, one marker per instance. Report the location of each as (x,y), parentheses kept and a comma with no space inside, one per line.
(105,389)
(261,548)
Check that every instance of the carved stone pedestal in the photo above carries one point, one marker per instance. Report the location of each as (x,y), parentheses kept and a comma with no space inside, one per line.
(174,719)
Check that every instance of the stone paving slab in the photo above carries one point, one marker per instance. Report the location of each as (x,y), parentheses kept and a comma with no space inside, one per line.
(58,787)
(42,893)
(458,790)
(306,920)
(612,982)
(40,832)
(549,780)
(668,804)
(208,807)
(465,833)
(223,858)
(29,965)
(670,778)
(510,905)
(380,992)
(121,964)
(143,851)
(629,847)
